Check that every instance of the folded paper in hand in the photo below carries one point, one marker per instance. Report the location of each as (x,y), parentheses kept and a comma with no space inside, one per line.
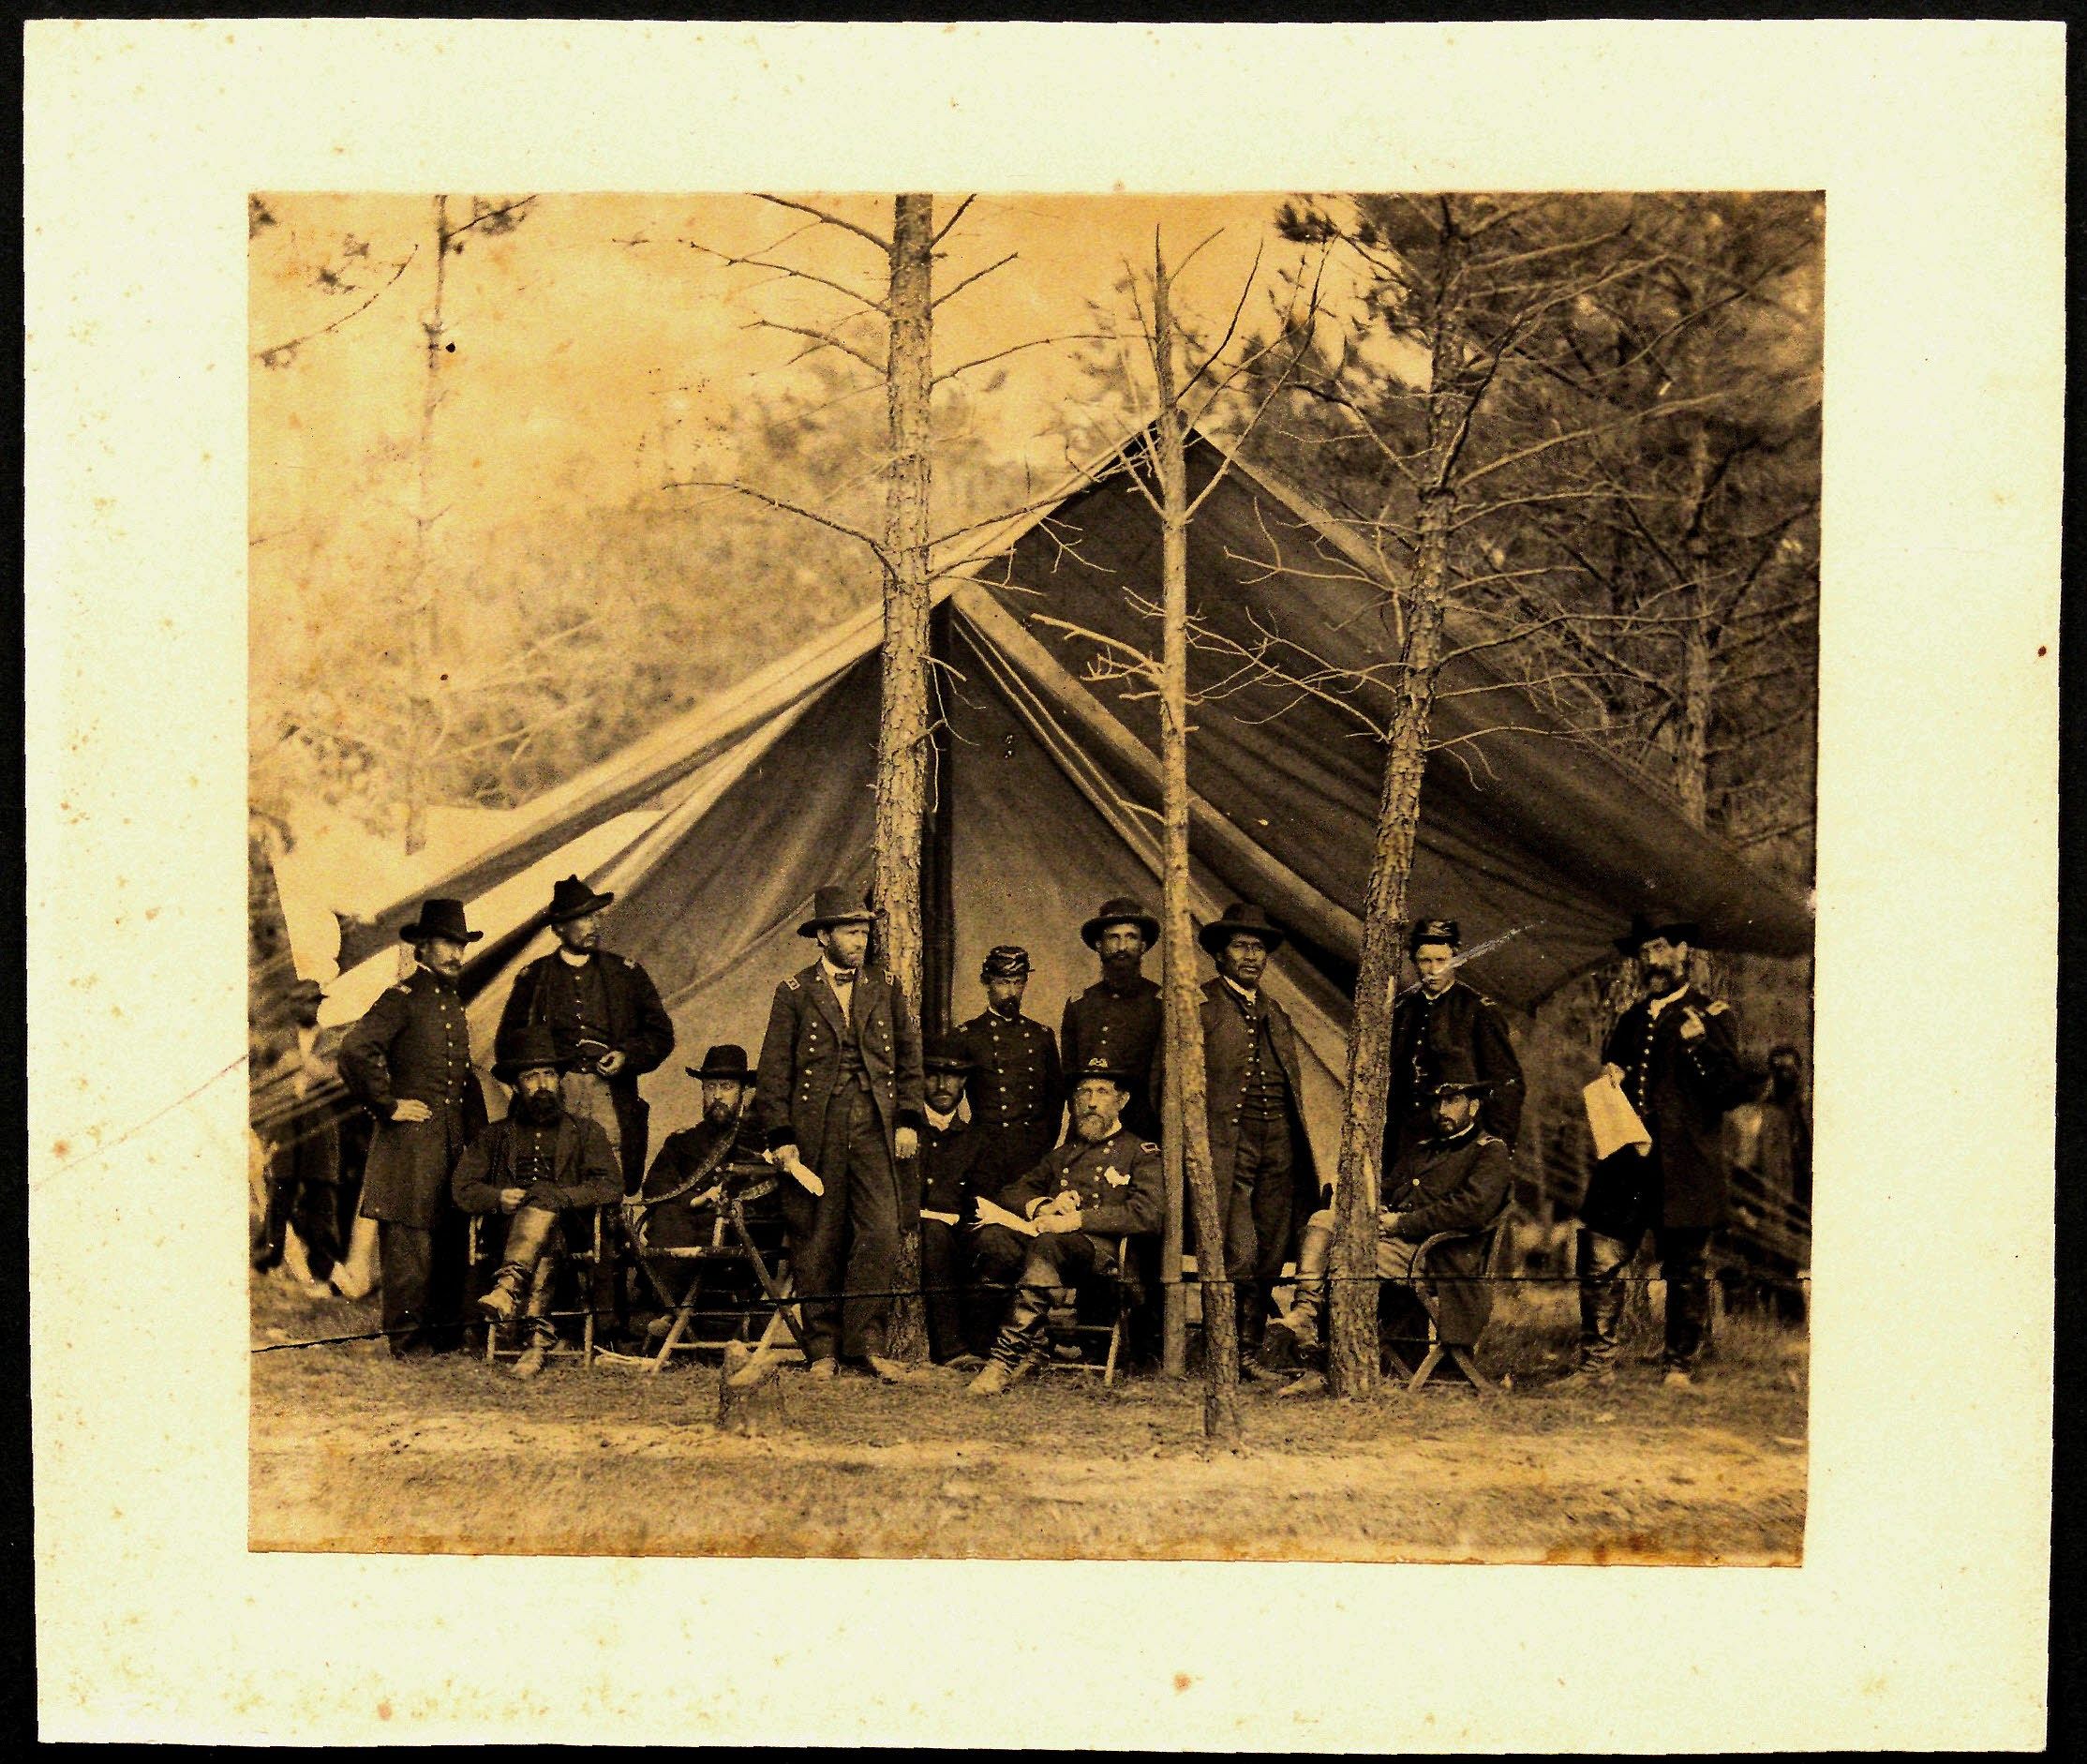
(806,1177)
(991,1215)
(1612,1120)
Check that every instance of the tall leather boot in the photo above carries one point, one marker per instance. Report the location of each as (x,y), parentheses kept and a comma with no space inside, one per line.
(526,1235)
(1020,1344)
(543,1331)
(1600,1265)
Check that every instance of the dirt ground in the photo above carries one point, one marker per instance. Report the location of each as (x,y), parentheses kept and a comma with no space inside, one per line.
(353,1451)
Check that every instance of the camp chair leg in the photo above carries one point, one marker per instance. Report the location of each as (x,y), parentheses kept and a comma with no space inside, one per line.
(1115,1347)
(684,1313)
(1467,1363)
(1427,1366)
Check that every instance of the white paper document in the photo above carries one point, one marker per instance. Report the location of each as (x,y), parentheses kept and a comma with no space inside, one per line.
(1612,1120)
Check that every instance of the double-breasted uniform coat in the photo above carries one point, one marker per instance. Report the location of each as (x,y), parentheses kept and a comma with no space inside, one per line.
(1432,1033)
(1681,1090)
(1457,1183)
(1121,1027)
(413,1044)
(1016,1093)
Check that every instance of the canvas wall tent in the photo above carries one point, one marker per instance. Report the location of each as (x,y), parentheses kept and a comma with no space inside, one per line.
(1047,793)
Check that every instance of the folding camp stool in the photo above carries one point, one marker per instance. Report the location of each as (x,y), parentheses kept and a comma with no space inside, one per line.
(1494,1235)
(774,1286)
(585,1266)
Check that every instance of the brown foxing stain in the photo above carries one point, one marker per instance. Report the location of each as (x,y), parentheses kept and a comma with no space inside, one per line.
(1181,1682)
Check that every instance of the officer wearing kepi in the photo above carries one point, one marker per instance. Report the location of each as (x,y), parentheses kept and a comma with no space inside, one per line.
(1443,1022)
(1017,1091)
(409,1063)
(1102,1185)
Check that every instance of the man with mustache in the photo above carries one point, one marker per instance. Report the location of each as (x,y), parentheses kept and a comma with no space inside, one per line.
(678,1206)
(1675,1053)
(840,1097)
(1016,1088)
(535,1166)
(1456,1179)
(409,1063)
(959,1321)
(605,1013)
(1103,1184)
(1260,1158)
(1118,1019)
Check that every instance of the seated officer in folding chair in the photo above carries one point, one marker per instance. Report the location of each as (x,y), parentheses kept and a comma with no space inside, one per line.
(682,1201)
(1456,1179)
(1102,1185)
(536,1165)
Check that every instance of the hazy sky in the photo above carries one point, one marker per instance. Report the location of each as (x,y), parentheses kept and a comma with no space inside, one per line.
(596,346)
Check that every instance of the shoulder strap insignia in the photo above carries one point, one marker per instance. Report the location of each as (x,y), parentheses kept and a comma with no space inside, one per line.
(1147,1146)
(1716,1008)
(791,981)
(1490,1139)
(399,986)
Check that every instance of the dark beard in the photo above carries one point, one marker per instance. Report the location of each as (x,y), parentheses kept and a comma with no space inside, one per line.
(721,1115)
(1664,982)
(1006,1007)
(541,1110)
(1121,969)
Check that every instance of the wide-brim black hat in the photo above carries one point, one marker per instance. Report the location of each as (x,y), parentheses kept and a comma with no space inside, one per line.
(727,1060)
(531,1046)
(1123,910)
(572,898)
(1645,927)
(1237,918)
(439,919)
(1458,1077)
(836,907)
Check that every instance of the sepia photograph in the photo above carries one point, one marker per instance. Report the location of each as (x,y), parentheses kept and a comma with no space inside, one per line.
(959,874)
(1100,887)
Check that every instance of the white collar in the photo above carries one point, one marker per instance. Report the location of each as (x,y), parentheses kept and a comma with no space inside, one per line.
(938,1121)
(1251,997)
(833,973)
(1657,1002)
(574,959)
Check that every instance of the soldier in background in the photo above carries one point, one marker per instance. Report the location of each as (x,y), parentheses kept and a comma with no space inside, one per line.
(1118,1020)
(1440,1022)
(960,1318)
(409,1063)
(1015,1087)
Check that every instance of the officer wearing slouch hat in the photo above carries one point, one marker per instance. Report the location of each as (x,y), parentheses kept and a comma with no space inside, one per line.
(409,1063)
(840,1093)
(1119,1018)
(1016,1089)
(605,1013)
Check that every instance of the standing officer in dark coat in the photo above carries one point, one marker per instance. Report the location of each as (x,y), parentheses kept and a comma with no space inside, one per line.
(1675,1053)
(1119,1019)
(1439,1018)
(1017,1091)
(1456,1179)
(1102,1185)
(535,1165)
(840,1094)
(951,1151)
(606,1015)
(409,1063)
(1260,1156)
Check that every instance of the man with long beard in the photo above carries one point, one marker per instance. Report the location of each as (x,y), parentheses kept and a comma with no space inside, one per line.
(1103,1184)
(1118,1019)
(535,1166)
(1676,1055)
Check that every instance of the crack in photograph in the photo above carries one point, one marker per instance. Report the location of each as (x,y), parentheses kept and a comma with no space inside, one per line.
(1112,876)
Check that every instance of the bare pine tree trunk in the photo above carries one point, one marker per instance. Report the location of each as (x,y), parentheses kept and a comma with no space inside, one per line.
(423,614)
(1185,1072)
(1352,1360)
(902,736)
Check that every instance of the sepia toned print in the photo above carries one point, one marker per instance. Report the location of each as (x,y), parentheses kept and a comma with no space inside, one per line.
(977,876)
